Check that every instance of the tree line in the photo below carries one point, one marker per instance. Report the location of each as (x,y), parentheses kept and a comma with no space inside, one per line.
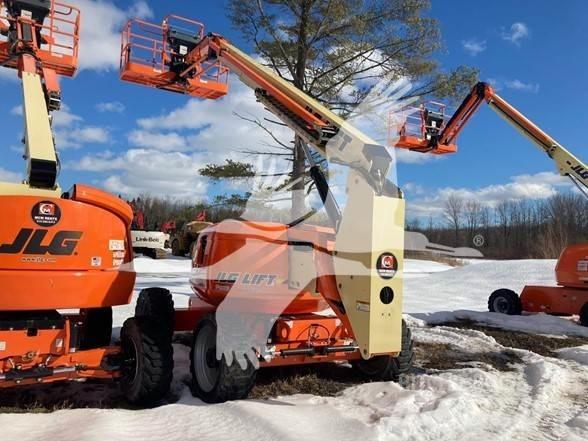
(511,229)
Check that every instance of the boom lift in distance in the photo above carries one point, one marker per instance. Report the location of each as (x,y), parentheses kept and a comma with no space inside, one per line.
(65,250)
(276,278)
(571,271)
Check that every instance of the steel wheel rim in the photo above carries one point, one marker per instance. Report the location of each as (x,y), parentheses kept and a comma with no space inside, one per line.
(206,367)
(131,362)
(501,305)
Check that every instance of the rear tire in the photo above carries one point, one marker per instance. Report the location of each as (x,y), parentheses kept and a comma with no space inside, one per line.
(505,301)
(387,367)
(213,381)
(97,328)
(158,304)
(584,315)
(148,361)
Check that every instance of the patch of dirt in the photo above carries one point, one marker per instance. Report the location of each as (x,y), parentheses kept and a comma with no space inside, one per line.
(45,398)
(323,380)
(540,344)
(440,356)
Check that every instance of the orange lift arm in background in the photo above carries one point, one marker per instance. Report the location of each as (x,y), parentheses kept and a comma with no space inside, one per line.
(567,164)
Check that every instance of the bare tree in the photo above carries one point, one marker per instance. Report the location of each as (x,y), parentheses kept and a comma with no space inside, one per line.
(452,212)
(335,51)
(472,214)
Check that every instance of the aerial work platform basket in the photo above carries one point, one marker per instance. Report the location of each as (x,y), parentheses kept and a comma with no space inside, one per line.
(159,56)
(49,30)
(418,128)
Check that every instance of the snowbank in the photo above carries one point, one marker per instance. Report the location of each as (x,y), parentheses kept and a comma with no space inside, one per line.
(579,354)
(542,398)
(468,287)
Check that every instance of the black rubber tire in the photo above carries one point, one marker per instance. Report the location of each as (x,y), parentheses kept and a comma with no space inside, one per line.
(175,246)
(387,367)
(97,330)
(505,301)
(231,383)
(158,304)
(148,361)
(584,315)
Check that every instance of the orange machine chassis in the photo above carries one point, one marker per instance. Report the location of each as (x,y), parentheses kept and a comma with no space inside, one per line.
(296,339)
(36,355)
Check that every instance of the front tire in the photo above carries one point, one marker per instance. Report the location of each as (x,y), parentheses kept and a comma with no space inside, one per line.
(148,363)
(214,381)
(505,301)
(387,367)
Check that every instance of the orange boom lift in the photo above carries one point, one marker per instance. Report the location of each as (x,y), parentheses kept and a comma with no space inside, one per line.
(275,279)
(64,250)
(571,271)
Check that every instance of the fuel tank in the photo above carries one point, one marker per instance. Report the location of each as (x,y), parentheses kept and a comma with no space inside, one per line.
(264,267)
(65,253)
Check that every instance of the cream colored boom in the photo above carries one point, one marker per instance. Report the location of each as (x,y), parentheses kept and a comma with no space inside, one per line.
(331,135)
(369,246)
(40,155)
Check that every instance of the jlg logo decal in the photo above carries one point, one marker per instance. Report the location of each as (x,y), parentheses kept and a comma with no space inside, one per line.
(29,241)
(582,172)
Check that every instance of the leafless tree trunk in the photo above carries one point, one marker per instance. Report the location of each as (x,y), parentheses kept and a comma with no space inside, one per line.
(453,212)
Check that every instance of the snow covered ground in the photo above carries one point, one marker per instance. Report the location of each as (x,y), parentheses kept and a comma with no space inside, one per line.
(539,398)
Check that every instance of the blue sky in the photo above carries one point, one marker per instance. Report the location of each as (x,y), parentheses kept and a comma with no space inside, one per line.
(131,139)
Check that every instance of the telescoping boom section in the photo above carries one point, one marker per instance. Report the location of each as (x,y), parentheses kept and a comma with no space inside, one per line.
(178,56)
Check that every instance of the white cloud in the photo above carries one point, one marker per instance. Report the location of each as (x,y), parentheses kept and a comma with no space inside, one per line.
(517,32)
(514,84)
(165,142)
(522,187)
(519,85)
(110,107)
(77,137)
(140,171)
(61,119)
(214,124)
(69,131)
(10,176)
(64,118)
(474,46)
(100,162)
(102,22)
